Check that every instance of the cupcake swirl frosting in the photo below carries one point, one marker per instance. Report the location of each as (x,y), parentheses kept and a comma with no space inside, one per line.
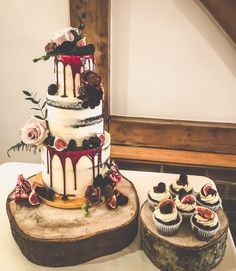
(206,222)
(210,199)
(159,196)
(166,217)
(177,187)
(185,207)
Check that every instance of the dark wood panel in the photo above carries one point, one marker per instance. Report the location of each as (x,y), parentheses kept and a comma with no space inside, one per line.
(224,13)
(173,134)
(173,157)
(98,32)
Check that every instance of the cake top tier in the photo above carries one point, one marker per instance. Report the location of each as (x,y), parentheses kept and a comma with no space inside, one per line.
(67,41)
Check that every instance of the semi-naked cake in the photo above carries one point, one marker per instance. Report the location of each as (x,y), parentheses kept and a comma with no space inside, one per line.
(77,173)
(71,170)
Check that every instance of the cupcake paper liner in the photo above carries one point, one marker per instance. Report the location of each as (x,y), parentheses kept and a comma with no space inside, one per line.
(167,230)
(185,215)
(152,204)
(201,234)
(212,207)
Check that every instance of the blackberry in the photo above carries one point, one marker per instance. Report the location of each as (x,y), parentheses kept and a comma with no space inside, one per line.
(108,181)
(52,89)
(108,191)
(183,179)
(51,141)
(71,145)
(86,144)
(98,181)
(85,104)
(95,141)
(122,199)
(65,48)
(64,197)
(160,188)
(212,191)
(182,193)
(91,90)
(85,50)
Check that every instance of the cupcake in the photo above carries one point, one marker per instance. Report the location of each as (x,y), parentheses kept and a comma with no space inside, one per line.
(166,218)
(185,203)
(157,194)
(205,223)
(180,183)
(209,197)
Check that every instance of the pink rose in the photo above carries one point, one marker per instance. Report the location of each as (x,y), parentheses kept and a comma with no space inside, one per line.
(34,132)
(64,35)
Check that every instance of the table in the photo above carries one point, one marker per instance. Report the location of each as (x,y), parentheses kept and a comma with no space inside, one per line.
(130,258)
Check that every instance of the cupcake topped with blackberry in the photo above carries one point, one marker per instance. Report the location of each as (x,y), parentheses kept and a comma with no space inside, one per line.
(166,218)
(157,194)
(209,197)
(185,203)
(205,223)
(180,183)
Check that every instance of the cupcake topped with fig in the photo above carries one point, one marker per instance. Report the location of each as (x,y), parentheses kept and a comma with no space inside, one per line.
(166,217)
(205,223)
(180,183)
(157,194)
(185,203)
(209,197)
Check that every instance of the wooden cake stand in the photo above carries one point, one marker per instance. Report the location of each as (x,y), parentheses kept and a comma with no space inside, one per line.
(183,251)
(56,237)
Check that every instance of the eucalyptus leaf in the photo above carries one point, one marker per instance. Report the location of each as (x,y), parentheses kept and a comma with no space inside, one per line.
(26,93)
(44,105)
(46,113)
(34,108)
(39,117)
(29,98)
(34,101)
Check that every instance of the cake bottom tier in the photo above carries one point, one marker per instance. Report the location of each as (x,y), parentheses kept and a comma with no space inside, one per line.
(55,237)
(71,172)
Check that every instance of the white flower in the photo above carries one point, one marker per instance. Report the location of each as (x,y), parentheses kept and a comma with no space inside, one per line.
(34,131)
(64,35)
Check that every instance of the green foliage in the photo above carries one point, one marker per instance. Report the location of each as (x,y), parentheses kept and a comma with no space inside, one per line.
(21,146)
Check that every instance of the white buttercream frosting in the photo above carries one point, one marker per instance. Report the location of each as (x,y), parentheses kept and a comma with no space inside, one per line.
(177,187)
(184,207)
(210,199)
(159,196)
(166,217)
(207,222)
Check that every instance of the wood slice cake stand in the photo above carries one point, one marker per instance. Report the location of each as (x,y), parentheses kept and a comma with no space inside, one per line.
(183,251)
(56,237)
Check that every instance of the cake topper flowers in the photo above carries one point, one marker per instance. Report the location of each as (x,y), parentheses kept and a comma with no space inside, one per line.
(68,41)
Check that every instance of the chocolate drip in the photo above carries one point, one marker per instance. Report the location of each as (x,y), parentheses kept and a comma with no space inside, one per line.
(75,157)
(77,64)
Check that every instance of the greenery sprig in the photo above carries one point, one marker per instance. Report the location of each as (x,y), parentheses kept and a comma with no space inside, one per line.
(32,97)
(21,146)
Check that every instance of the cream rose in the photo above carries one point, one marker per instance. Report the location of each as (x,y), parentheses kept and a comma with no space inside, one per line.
(34,131)
(64,35)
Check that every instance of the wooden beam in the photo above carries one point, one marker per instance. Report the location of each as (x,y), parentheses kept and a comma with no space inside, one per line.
(176,157)
(173,134)
(97,31)
(223,12)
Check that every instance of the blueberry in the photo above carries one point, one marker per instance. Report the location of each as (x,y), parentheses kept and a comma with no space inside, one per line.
(52,89)
(71,145)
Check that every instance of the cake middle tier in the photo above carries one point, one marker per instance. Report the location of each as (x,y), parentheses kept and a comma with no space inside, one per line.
(68,120)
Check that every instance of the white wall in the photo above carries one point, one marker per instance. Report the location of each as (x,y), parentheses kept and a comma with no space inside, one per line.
(25,28)
(171,61)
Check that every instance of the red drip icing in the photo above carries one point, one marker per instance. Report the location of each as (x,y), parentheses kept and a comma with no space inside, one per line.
(75,157)
(77,64)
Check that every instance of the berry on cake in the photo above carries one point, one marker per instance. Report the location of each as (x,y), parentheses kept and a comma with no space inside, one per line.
(180,183)
(157,194)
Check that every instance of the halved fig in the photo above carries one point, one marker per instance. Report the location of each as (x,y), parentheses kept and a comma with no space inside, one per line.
(207,189)
(33,198)
(102,138)
(188,199)
(59,144)
(112,202)
(204,212)
(166,206)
